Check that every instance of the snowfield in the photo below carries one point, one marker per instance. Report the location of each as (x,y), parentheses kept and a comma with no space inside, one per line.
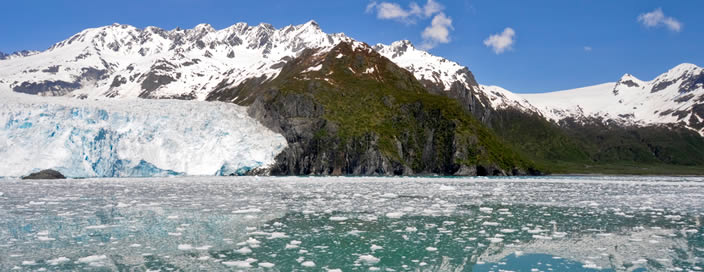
(670,98)
(131,137)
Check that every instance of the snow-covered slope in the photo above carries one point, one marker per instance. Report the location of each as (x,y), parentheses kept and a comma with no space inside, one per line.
(124,61)
(445,74)
(676,96)
(131,137)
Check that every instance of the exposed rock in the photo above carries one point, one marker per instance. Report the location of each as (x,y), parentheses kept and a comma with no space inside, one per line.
(45,174)
(425,139)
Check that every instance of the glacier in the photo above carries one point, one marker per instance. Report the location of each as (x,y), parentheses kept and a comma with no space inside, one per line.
(131,137)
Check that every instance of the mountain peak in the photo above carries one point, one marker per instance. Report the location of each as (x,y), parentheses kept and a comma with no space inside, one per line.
(403,45)
(679,71)
(266,26)
(204,27)
(312,23)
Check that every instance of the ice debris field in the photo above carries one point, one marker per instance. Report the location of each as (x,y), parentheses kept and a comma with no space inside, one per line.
(353,224)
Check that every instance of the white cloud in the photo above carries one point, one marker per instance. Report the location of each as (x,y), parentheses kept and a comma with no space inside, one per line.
(657,18)
(588,48)
(438,31)
(502,41)
(385,10)
(388,10)
(432,7)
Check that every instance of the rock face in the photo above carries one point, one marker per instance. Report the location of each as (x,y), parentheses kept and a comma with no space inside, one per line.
(351,111)
(45,174)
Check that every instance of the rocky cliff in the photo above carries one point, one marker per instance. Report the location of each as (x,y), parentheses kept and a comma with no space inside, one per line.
(351,111)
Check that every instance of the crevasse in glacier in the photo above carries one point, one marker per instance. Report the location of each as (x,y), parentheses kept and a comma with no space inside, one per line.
(136,137)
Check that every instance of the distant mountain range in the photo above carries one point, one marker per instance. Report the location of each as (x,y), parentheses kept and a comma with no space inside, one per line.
(18,54)
(346,107)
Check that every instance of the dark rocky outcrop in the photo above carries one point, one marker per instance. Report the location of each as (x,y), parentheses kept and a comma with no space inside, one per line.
(341,121)
(45,174)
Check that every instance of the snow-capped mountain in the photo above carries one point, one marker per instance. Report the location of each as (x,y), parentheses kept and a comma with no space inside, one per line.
(675,97)
(124,61)
(443,74)
(238,64)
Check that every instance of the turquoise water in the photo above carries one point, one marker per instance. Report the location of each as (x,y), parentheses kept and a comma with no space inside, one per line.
(353,224)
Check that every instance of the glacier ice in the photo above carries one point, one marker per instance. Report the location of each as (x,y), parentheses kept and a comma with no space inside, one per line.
(136,137)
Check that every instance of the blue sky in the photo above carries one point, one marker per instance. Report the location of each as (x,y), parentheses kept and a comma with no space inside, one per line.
(555,44)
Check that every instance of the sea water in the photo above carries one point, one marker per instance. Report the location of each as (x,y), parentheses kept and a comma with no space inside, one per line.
(599,223)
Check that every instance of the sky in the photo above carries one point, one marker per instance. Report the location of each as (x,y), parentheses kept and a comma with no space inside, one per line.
(523,46)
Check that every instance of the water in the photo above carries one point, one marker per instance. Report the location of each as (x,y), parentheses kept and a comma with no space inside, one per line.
(353,224)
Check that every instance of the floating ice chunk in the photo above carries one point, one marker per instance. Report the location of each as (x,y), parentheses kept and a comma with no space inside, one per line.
(487,223)
(334,270)
(173,233)
(204,248)
(375,247)
(253,210)
(486,210)
(389,195)
(29,262)
(536,230)
(368,259)
(58,261)
(338,218)
(98,227)
(240,264)
(45,238)
(558,234)
(411,229)
(266,265)
(293,244)
(508,230)
(244,251)
(494,240)
(640,261)
(253,242)
(92,259)
(395,215)
(308,264)
(447,188)
(185,247)
(431,249)
(590,265)
(542,237)
(277,235)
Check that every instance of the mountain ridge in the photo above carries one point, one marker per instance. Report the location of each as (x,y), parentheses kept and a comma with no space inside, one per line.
(265,69)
